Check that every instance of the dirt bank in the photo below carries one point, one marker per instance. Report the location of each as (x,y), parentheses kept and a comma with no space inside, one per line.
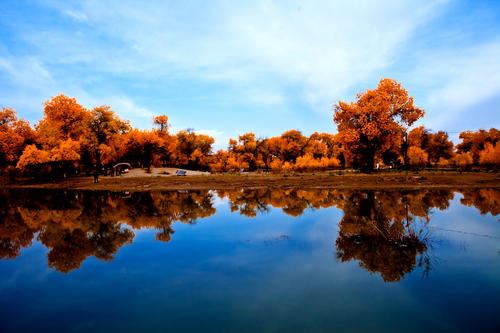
(391,180)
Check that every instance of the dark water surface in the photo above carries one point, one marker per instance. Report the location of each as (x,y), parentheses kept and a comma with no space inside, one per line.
(252,260)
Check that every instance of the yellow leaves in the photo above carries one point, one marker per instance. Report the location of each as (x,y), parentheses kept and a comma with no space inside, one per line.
(63,118)
(463,160)
(187,143)
(309,163)
(68,150)
(490,155)
(10,144)
(162,123)
(417,156)
(370,129)
(374,123)
(7,117)
(287,166)
(475,142)
(276,165)
(32,156)
(14,135)
(443,163)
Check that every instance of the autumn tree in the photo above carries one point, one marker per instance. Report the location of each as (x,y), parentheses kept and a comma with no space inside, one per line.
(143,147)
(376,122)
(417,157)
(33,159)
(169,142)
(474,142)
(247,151)
(223,161)
(65,157)
(439,146)
(490,156)
(104,126)
(63,119)
(292,145)
(162,123)
(463,160)
(15,134)
(192,150)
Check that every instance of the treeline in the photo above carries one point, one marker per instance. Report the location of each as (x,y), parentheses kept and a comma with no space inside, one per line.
(372,132)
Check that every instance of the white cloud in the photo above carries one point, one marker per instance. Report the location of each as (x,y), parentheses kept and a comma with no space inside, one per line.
(326,48)
(457,80)
(32,83)
(126,108)
(269,54)
(77,16)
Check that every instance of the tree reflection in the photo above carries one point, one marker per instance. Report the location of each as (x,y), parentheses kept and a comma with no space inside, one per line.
(250,202)
(77,225)
(486,200)
(386,231)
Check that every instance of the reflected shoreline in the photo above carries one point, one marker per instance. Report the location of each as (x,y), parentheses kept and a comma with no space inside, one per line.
(385,231)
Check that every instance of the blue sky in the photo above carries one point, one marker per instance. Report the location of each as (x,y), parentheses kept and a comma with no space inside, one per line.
(227,67)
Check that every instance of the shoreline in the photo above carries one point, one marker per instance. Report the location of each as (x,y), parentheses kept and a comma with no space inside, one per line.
(317,180)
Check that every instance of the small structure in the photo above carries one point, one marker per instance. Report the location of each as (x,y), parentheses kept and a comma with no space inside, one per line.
(180,173)
(118,168)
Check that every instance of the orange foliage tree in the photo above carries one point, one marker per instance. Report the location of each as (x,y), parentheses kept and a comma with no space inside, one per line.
(372,129)
(474,142)
(104,126)
(15,134)
(63,119)
(192,150)
(33,159)
(143,147)
(417,156)
(376,122)
(463,160)
(490,156)
(439,147)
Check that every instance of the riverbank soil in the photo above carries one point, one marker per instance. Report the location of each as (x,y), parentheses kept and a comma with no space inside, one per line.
(165,179)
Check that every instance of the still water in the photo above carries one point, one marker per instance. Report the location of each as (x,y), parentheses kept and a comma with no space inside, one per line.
(250,260)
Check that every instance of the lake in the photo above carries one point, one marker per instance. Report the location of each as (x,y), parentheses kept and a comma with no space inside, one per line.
(250,260)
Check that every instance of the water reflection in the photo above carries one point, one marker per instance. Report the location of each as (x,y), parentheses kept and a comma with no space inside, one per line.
(385,231)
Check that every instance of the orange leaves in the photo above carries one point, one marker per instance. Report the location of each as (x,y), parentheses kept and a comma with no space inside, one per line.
(309,163)
(162,123)
(289,151)
(32,156)
(68,150)
(417,156)
(63,118)
(475,142)
(276,165)
(189,143)
(490,155)
(375,122)
(15,134)
(439,146)
(463,160)
(371,129)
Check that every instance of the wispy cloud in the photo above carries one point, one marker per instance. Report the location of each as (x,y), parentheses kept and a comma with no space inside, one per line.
(459,80)
(327,49)
(206,63)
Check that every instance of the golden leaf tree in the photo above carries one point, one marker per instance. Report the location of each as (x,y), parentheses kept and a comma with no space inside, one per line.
(15,134)
(376,122)
(63,118)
